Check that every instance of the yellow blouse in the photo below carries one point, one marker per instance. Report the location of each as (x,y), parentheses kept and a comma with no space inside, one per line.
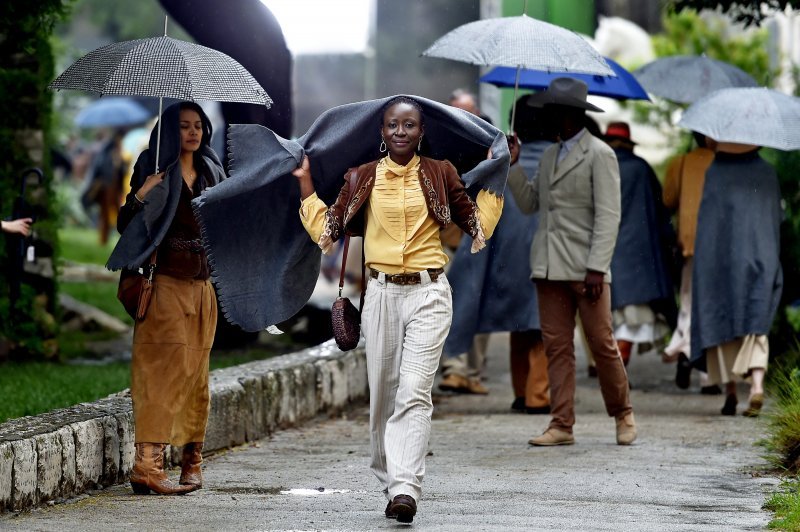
(401,236)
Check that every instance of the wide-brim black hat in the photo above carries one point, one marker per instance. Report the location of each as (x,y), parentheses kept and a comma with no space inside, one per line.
(564,91)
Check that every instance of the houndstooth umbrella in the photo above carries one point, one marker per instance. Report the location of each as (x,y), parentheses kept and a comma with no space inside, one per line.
(687,78)
(163,67)
(758,116)
(520,42)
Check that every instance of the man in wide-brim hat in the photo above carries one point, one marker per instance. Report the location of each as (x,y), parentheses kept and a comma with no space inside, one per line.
(577,194)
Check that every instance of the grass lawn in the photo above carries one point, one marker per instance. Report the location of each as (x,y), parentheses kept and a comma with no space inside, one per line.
(81,244)
(786,506)
(30,388)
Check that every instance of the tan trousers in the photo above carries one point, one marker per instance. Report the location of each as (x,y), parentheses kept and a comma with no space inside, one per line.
(169,370)
(558,303)
(529,368)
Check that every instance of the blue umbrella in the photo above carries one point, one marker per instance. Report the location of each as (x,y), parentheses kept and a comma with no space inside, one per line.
(112,112)
(623,86)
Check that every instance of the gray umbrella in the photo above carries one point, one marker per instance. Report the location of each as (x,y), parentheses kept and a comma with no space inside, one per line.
(687,78)
(758,116)
(520,42)
(163,67)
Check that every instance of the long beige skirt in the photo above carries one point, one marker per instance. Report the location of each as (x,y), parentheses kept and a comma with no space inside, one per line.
(734,360)
(169,370)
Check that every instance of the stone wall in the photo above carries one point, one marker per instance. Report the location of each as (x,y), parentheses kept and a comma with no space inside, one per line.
(66,452)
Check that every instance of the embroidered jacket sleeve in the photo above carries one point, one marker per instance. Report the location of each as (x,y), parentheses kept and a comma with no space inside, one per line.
(324,224)
(477,218)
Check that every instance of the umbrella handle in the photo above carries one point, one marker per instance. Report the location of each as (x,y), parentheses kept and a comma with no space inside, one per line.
(26,173)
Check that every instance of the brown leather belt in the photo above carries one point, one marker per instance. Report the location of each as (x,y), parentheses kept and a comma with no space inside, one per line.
(407,278)
(180,244)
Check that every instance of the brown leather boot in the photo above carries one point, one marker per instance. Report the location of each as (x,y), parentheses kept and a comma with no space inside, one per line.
(148,472)
(191,475)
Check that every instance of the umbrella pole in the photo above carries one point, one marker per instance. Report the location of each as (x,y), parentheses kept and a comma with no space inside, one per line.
(158,135)
(514,104)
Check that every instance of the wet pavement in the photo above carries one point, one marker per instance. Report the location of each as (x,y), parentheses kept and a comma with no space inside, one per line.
(690,469)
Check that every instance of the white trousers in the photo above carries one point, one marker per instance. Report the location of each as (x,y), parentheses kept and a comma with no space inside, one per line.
(404,328)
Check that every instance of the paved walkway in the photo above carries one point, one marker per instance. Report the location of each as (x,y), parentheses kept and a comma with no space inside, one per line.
(691,469)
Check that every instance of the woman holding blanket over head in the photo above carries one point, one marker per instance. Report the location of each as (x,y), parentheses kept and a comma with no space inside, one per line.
(400,203)
(171,345)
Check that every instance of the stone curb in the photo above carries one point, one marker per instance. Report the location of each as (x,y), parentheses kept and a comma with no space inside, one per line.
(91,445)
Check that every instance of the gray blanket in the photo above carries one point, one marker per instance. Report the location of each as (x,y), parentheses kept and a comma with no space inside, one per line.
(263,262)
(737,277)
(639,267)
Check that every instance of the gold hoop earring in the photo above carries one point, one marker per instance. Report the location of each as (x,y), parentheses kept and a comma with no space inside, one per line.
(382,148)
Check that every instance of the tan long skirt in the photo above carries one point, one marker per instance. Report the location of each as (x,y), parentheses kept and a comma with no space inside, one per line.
(169,370)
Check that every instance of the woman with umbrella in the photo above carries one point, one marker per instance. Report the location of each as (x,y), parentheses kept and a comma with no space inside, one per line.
(399,203)
(171,345)
(737,278)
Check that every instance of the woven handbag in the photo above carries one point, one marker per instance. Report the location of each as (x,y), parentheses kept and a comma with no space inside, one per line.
(345,317)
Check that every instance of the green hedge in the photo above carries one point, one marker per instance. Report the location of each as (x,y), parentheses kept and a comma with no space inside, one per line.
(26,67)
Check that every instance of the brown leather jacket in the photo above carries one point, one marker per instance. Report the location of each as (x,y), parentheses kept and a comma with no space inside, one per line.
(445,195)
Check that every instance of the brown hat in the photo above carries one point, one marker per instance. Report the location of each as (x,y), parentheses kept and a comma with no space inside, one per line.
(619,130)
(564,91)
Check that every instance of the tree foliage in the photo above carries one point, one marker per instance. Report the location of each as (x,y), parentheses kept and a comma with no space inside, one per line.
(26,67)
(751,12)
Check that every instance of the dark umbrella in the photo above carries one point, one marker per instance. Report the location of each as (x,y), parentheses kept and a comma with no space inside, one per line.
(163,67)
(622,87)
(687,78)
(247,31)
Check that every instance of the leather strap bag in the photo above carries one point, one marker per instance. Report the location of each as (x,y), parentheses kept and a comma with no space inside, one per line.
(345,317)
(136,288)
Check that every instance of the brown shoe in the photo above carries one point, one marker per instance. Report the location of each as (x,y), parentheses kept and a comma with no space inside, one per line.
(388,511)
(476,387)
(191,475)
(461,384)
(404,507)
(626,429)
(756,402)
(552,437)
(148,472)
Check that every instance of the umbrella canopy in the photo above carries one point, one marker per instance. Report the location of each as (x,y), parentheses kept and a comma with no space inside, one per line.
(758,116)
(112,112)
(622,87)
(687,78)
(163,67)
(520,42)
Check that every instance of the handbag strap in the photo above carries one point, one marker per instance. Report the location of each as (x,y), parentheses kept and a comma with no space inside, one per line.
(351,180)
(344,262)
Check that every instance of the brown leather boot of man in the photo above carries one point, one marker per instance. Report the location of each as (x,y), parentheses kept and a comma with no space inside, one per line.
(191,475)
(148,472)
